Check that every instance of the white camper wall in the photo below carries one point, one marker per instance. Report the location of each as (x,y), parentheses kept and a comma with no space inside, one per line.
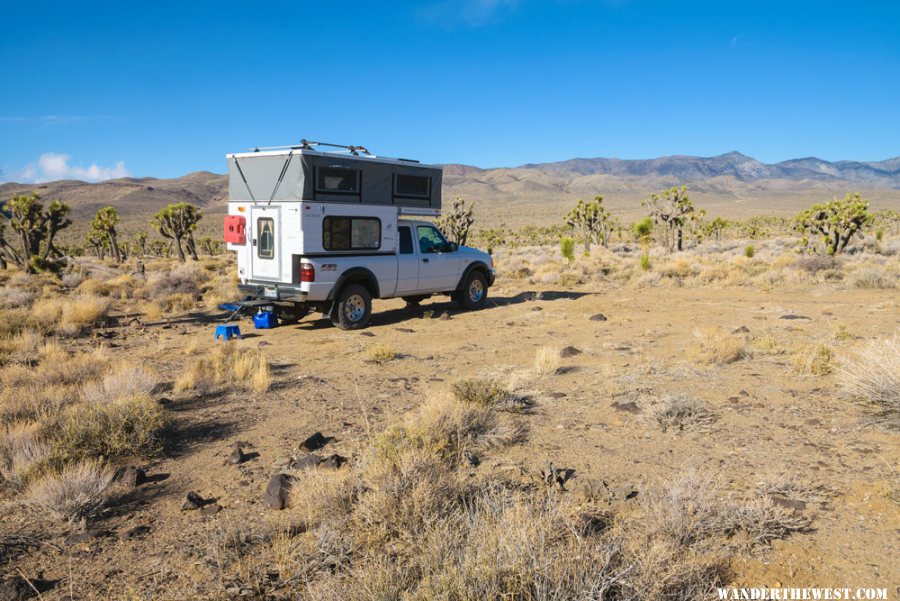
(313,214)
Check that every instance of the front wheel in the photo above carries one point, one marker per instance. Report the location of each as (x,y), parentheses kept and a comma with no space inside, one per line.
(353,308)
(473,294)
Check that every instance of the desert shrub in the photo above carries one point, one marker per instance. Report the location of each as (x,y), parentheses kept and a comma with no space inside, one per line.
(488,392)
(127,426)
(547,361)
(69,316)
(185,280)
(567,248)
(76,492)
(872,278)
(680,412)
(714,347)
(813,264)
(13,296)
(567,279)
(226,364)
(872,375)
(645,262)
(749,251)
(813,360)
(382,353)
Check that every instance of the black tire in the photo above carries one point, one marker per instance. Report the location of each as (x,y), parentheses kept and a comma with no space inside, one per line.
(291,313)
(353,308)
(414,301)
(473,294)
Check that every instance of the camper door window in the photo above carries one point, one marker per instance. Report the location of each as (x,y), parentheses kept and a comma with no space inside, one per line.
(337,180)
(351,233)
(266,247)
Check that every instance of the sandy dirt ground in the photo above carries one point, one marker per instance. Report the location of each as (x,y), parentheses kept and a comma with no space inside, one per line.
(769,422)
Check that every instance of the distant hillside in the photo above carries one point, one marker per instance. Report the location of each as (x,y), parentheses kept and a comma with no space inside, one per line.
(732,185)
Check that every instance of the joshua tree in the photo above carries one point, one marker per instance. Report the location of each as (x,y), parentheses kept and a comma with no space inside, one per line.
(592,221)
(177,222)
(103,229)
(836,222)
(715,228)
(35,229)
(456,222)
(671,209)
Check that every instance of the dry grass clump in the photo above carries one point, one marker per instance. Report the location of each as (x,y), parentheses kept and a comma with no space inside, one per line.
(126,382)
(123,427)
(872,375)
(23,452)
(681,412)
(488,392)
(813,264)
(74,493)
(813,360)
(547,361)
(69,316)
(12,297)
(226,364)
(715,347)
(382,353)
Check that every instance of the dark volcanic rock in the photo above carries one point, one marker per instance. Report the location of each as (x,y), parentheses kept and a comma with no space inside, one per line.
(333,462)
(277,491)
(210,510)
(789,503)
(630,407)
(741,330)
(598,317)
(193,501)
(791,316)
(237,456)
(136,532)
(133,476)
(15,588)
(310,461)
(569,351)
(315,442)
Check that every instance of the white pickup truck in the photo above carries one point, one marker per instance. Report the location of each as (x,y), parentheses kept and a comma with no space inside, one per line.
(329,246)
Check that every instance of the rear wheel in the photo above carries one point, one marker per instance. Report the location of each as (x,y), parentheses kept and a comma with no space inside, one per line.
(353,308)
(473,294)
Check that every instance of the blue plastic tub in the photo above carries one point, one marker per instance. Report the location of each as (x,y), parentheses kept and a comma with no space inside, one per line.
(265,320)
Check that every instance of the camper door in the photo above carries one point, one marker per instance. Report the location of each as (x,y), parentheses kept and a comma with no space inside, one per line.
(265,258)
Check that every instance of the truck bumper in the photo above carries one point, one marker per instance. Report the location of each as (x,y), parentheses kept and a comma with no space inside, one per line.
(274,292)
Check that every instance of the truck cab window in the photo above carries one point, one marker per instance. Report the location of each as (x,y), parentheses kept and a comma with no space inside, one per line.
(431,240)
(266,245)
(406,245)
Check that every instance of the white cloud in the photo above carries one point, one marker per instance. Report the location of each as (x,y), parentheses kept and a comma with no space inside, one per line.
(52,165)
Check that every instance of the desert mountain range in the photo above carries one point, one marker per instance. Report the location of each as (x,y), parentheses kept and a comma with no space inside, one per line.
(732,185)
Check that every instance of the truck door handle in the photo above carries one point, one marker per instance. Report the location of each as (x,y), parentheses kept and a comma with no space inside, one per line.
(424,260)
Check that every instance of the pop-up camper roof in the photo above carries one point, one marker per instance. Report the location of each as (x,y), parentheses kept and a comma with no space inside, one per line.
(304,173)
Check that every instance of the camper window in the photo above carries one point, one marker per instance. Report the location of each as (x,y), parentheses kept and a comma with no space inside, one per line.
(265,249)
(351,233)
(412,186)
(337,180)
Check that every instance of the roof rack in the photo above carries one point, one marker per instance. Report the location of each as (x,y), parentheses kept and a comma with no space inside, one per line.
(309,145)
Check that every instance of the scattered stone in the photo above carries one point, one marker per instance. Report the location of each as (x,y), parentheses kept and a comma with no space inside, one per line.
(210,510)
(263,343)
(791,316)
(281,462)
(333,462)
(366,334)
(133,476)
(557,395)
(569,351)
(789,503)
(80,538)
(15,588)
(537,309)
(406,330)
(445,316)
(630,407)
(741,330)
(136,532)
(277,491)
(557,475)
(237,456)
(315,442)
(307,462)
(192,502)
(471,458)
(597,317)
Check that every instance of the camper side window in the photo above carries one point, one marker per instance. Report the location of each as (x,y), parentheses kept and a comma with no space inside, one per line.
(266,246)
(412,186)
(337,180)
(351,233)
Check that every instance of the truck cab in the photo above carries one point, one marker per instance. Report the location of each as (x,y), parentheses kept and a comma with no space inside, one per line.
(344,234)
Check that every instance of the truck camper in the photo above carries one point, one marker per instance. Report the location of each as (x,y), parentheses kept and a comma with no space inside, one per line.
(332,230)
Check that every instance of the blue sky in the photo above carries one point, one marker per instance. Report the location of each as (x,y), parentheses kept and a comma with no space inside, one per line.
(93,90)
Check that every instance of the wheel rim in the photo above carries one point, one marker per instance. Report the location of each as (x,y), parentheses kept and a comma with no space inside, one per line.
(354,308)
(476,290)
